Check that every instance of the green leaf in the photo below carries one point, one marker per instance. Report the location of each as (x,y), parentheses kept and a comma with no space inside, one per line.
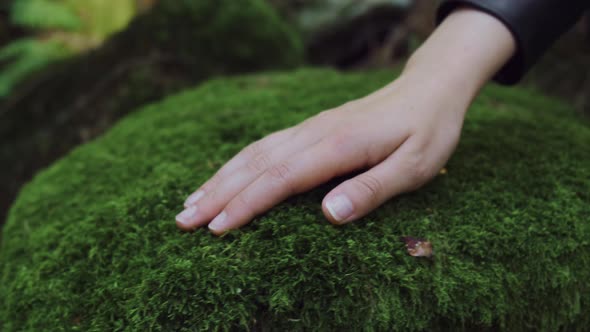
(43,14)
(23,57)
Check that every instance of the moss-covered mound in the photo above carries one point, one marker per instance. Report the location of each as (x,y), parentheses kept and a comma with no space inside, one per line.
(91,243)
(177,44)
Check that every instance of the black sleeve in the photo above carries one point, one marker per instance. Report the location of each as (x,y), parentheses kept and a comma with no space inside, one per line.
(535,24)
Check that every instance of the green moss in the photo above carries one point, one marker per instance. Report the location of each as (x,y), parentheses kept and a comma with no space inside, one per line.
(91,243)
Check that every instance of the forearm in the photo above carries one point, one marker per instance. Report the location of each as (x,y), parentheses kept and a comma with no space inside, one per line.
(463,53)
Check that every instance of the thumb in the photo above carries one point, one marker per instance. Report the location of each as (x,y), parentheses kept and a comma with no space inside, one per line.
(356,197)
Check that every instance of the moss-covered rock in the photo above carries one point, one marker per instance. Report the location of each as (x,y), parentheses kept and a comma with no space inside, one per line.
(177,44)
(91,243)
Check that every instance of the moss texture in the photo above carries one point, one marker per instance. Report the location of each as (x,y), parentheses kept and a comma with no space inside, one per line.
(177,44)
(91,243)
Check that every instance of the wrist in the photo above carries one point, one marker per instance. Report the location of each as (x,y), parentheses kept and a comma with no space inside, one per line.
(436,78)
(464,52)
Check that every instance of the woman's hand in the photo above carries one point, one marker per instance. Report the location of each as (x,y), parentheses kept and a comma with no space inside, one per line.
(401,135)
(402,138)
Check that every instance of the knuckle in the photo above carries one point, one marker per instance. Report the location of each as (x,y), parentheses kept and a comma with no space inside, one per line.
(253,149)
(281,172)
(259,163)
(370,186)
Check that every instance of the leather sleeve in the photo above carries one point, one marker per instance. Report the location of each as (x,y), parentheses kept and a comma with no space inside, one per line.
(535,24)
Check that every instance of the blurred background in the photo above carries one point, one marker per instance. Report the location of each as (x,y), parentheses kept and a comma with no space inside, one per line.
(69,69)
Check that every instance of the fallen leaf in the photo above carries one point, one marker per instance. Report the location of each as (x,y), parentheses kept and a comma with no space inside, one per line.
(418,247)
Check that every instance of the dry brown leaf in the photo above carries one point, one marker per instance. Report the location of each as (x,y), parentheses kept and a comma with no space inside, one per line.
(418,247)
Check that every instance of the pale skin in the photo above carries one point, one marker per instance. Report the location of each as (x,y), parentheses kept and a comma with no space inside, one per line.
(400,136)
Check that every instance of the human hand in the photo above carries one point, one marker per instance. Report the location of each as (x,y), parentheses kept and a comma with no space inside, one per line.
(402,135)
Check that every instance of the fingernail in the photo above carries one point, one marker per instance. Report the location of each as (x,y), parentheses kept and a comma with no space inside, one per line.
(193,198)
(340,207)
(218,223)
(187,216)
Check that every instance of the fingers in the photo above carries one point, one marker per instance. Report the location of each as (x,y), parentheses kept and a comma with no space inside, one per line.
(238,161)
(239,173)
(296,174)
(212,200)
(404,170)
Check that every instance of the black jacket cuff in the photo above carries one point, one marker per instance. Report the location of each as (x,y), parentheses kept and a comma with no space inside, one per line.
(535,25)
